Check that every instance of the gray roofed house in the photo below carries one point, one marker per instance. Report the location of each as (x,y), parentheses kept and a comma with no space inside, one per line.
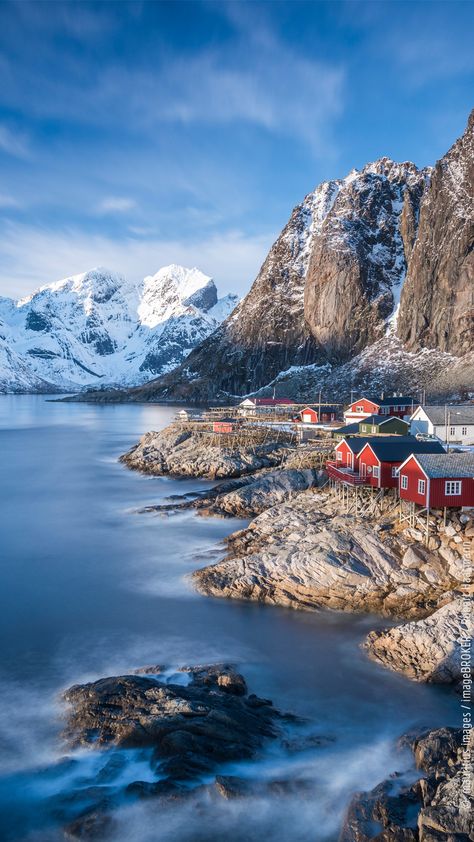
(453,424)
(437,466)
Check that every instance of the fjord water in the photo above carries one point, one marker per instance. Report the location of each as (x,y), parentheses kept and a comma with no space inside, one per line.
(90,587)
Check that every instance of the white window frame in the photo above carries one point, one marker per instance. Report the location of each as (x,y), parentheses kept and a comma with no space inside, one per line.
(421,486)
(452,431)
(404,482)
(364,428)
(464,431)
(453,487)
(360,409)
(339,455)
(395,472)
(376,472)
(374,428)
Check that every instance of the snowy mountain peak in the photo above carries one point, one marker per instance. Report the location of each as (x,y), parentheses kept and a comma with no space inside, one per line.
(97,327)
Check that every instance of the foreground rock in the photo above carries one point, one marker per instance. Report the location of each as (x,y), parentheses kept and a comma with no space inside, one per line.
(182,452)
(299,554)
(429,649)
(435,808)
(191,727)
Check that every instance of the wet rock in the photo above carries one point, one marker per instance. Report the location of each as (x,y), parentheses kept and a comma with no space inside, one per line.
(428,649)
(436,808)
(191,728)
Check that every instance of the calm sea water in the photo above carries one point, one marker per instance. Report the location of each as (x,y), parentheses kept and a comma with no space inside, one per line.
(91,588)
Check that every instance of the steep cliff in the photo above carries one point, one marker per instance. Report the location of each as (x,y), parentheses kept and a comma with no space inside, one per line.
(437,303)
(359,256)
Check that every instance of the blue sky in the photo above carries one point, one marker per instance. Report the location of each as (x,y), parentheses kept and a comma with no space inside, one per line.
(138,134)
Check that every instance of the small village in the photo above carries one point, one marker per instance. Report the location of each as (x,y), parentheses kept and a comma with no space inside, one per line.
(420,457)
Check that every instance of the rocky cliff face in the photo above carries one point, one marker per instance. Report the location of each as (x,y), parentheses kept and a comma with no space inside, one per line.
(359,256)
(370,285)
(437,305)
(329,286)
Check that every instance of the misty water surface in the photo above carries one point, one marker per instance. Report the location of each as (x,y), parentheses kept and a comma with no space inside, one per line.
(90,588)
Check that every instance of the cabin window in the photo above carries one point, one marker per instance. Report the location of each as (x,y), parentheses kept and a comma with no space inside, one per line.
(374,428)
(404,482)
(376,471)
(395,472)
(452,431)
(452,488)
(359,408)
(421,486)
(339,455)
(364,428)
(384,410)
(464,431)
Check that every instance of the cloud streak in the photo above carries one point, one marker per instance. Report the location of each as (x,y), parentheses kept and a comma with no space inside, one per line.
(30,257)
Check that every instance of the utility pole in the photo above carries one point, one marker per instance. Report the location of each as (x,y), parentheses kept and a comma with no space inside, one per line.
(319,407)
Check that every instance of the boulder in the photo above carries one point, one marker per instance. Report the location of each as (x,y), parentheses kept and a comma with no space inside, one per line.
(427,649)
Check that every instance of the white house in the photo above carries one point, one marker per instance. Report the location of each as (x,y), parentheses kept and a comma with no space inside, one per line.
(451,424)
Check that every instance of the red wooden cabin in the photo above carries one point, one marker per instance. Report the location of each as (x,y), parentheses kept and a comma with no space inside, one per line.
(438,481)
(318,414)
(380,459)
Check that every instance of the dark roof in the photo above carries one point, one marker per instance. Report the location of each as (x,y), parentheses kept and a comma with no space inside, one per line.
(356,443)
(461,414)
(226,420)
(398,401)
(348,429)
(450,465)
(399,448)
(317,405)
(380,419)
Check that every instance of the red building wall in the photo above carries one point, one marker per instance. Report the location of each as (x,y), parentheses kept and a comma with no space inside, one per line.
(222,427)
(312,413)
(367,406)
(437,496)
(343,448)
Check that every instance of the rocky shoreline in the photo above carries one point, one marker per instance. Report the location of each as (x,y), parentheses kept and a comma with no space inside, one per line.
(299,550)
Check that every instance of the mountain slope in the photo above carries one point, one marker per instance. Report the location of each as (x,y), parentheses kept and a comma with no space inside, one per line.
(373,268)
(96,328)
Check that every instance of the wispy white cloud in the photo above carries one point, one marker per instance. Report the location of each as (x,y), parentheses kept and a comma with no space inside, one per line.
(116,204)
(8,202)
(13,142)
(30,257)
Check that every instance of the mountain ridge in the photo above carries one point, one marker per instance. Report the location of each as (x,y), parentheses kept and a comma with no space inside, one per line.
(97,327)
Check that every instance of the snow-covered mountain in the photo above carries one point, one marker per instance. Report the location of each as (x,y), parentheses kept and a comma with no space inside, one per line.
(98,329)
(370,281)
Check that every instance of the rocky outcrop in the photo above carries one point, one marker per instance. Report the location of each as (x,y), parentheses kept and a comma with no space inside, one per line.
(184,452)
(358,259)
(193,720)
(428,649)
(437,807)
(437,304)
(301,554)
(267,489)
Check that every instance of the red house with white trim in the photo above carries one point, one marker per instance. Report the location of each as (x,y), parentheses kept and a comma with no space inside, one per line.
(347,451)
(438,481)
(380,459)
(363,407)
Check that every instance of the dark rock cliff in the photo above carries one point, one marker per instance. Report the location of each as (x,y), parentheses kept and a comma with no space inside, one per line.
(437,304)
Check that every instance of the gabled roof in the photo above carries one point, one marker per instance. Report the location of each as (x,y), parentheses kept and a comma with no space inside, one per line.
(381,419)
(356,443)
(461,414)
(449,465)
(398,448)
